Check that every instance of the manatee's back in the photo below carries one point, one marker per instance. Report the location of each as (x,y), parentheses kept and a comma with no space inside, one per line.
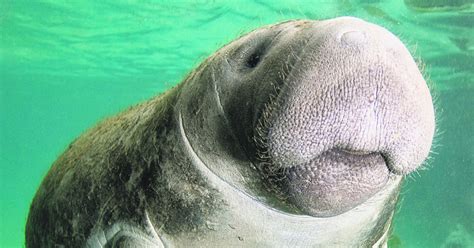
(101,177)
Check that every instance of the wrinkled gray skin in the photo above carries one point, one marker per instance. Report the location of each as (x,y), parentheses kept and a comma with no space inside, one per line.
(294,135)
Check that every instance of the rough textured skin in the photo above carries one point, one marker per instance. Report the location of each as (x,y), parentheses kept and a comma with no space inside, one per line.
(294,135)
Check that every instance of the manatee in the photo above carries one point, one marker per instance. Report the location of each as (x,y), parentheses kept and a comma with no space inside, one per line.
(297,134)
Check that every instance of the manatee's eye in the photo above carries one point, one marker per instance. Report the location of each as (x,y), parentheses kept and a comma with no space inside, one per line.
(253,60)
(255,55)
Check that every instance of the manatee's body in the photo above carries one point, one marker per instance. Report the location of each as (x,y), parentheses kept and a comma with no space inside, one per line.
(295,135)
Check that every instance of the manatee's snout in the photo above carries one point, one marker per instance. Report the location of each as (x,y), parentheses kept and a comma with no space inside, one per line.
(352,111)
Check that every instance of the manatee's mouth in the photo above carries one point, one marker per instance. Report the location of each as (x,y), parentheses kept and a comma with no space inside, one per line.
(332,183)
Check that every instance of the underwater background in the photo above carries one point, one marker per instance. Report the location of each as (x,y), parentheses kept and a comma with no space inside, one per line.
(65,65)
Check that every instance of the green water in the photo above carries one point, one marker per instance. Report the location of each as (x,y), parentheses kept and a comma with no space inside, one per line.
(64,66)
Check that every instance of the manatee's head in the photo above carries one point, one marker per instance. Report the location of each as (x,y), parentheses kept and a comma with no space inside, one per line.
(327,111)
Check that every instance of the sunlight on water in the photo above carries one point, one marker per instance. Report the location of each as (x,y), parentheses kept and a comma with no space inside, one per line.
(65,66)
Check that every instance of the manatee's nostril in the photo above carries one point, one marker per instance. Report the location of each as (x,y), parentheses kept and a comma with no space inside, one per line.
(353,37)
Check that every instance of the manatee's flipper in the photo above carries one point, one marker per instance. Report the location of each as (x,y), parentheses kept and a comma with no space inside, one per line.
(123,235)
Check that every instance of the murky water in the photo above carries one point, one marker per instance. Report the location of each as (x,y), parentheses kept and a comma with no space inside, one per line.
(64,66)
